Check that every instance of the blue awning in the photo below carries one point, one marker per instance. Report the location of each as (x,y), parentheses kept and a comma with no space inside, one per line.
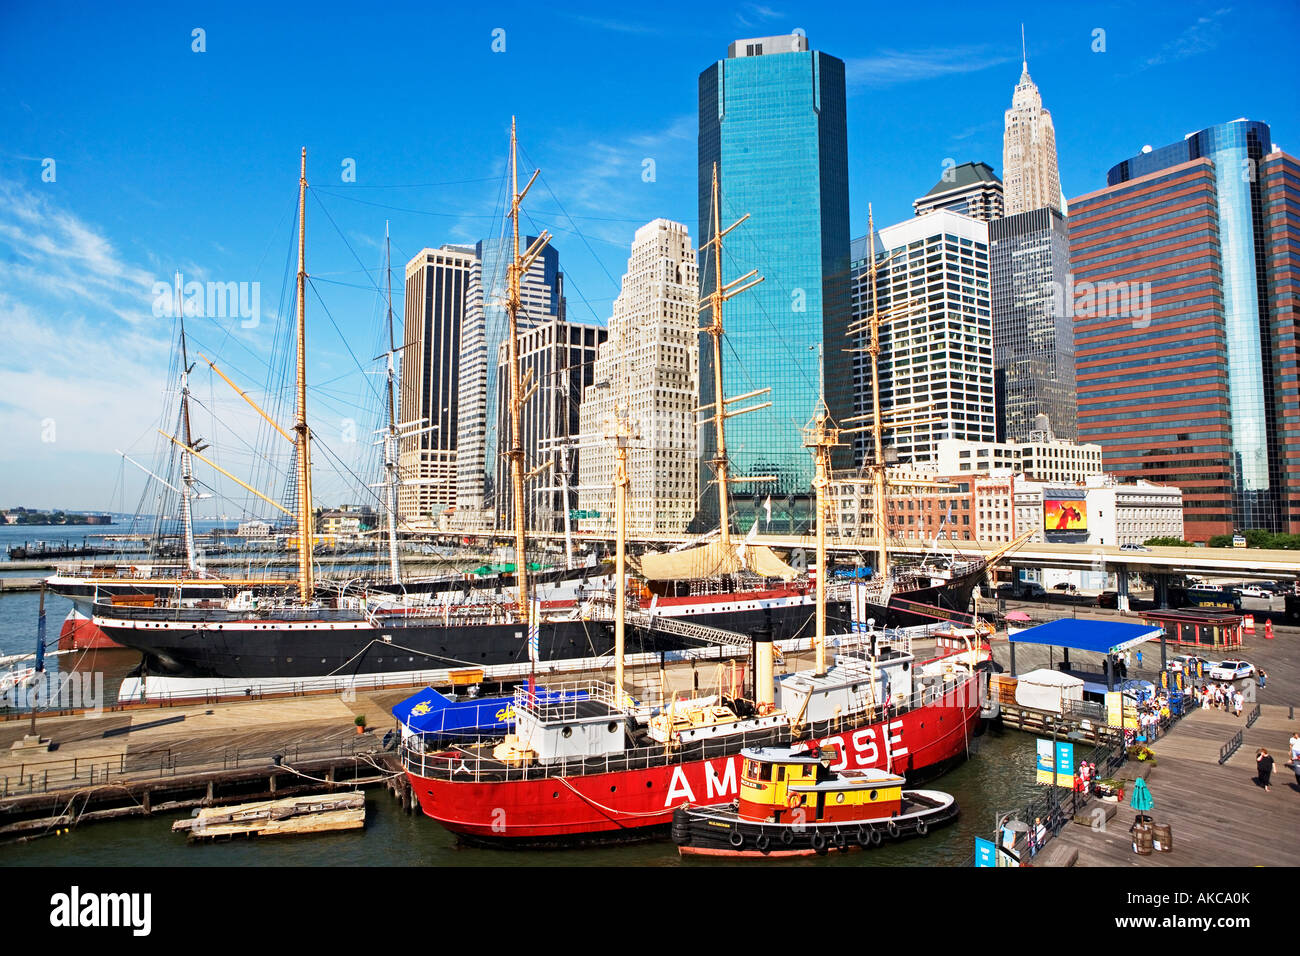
(1102,637)
(429,712)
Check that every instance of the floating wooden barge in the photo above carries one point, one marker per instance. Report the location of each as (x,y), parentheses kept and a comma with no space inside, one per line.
(292,816)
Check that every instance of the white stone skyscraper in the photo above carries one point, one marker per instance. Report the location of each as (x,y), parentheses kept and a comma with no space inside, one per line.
(650,366)
(1029,175)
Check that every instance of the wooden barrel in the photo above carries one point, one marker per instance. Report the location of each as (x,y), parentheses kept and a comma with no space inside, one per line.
(1142,839)
(1162,837)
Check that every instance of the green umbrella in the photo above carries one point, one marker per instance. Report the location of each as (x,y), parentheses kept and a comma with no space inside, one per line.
(1140,800)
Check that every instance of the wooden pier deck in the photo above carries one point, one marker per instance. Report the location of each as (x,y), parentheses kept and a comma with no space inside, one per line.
(158,759)
(1219,814)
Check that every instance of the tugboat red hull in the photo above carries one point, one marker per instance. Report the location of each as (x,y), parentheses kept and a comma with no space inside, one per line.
(638,804)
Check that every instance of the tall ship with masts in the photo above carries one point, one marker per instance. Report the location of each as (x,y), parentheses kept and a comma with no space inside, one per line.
(262,634)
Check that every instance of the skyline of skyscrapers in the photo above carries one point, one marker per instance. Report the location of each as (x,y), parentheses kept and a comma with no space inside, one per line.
(772,117)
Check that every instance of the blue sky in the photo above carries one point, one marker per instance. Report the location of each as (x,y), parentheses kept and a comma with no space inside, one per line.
(168,158)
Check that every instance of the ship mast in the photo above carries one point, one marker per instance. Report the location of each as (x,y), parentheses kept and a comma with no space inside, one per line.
(821,437)
(623,434)
(877,424)
(187,465)
(519,266)
(390,438)
(720,294)
(303,433)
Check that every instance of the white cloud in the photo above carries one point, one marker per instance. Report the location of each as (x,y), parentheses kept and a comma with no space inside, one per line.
(892,67)
(1200,37)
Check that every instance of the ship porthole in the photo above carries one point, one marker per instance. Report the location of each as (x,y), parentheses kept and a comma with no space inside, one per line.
(649,784)
(555,795)
(566,732)
(874,794)
(613,789)
(839,798)
(613,727)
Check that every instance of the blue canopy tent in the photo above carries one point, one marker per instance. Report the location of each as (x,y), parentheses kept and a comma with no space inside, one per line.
(1100,637)
(429,712)
(435,715)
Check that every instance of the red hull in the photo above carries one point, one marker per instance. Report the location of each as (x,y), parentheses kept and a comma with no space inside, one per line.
(79,633)
(627,804)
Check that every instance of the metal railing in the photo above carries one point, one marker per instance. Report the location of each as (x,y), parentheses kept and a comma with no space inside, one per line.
(50,776)
(1252,716)
(1230,748)
(473,760)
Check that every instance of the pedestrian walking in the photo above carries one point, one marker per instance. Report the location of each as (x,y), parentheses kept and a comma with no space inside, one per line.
(1263,676)
(1265,764)
(1295,755)
(1237,700)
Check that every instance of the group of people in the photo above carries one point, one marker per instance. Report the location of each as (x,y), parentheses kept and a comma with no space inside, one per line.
(1222,696)
(1085,777)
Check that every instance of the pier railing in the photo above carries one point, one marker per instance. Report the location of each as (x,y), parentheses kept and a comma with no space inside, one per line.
(76,773)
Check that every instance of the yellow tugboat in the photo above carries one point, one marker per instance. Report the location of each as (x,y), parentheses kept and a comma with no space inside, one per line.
(793,804)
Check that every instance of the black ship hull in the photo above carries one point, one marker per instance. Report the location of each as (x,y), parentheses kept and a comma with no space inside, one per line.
(269,649)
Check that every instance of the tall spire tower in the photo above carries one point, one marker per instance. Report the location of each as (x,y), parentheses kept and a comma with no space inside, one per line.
(1029,174)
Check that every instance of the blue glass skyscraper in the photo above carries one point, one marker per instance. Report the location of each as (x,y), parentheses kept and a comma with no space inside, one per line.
(772,117)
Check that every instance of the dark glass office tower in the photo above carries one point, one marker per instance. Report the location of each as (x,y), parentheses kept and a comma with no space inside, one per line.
(1033,334)
(772,116)
(1196,388)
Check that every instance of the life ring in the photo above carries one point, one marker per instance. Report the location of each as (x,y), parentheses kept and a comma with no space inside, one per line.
(922,828)
(892,827)
(764,843)
(819,842)
(736,839)
(787,836)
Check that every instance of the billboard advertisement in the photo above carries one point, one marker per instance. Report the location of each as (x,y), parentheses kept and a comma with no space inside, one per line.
(1065,514)
(1055,763)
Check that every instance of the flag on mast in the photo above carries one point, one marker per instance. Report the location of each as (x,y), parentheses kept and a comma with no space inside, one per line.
(767,507)
(534,627)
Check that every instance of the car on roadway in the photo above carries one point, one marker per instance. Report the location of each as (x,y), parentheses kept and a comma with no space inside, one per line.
(1134,547)
(1251,591)
(1065,586)
(1232,670)
(1108,599)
